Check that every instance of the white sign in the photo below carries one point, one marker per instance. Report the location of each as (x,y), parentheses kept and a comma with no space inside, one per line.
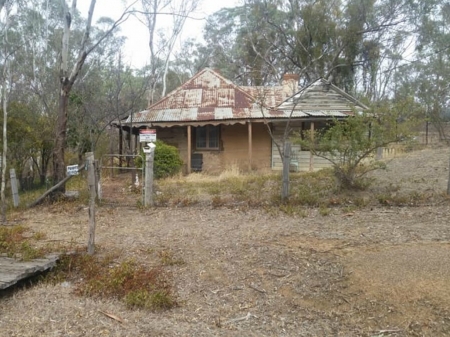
(72,170)
(147,136)
(150,148)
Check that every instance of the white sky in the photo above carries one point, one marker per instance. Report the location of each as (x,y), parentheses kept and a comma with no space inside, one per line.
(136,48)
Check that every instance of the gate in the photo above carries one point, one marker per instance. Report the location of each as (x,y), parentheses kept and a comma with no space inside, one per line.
(121,184)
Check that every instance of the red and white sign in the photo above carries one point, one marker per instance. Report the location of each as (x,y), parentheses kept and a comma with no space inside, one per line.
(147,136)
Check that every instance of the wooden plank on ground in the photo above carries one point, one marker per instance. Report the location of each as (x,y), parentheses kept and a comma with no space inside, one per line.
(13,270)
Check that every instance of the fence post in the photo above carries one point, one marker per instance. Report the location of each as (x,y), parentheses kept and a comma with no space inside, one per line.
(98,184)
(286,168)
(148,184)
(15,191)
(92,196)
(379,153)
(448,184)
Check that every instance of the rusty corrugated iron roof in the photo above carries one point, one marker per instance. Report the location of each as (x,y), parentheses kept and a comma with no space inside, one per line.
(194,116)
(209,97)
(268,96)
(206,89)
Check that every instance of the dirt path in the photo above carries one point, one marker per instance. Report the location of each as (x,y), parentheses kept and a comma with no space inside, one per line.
(380,271)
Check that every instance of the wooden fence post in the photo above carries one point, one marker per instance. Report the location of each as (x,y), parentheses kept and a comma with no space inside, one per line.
(448,184)
(148,184)
(92,196)
(15,191)
(286,168)
(98,184)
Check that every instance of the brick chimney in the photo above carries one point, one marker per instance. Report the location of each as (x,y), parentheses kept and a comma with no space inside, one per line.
(290,84)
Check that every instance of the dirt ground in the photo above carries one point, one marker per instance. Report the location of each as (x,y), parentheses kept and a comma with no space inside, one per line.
(377,271)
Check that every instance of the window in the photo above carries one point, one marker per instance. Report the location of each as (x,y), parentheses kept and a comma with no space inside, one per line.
(319,126)
(207,137)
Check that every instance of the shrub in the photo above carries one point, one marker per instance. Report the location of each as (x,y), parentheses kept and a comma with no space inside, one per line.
(167,161)
(350,144)
(127,281)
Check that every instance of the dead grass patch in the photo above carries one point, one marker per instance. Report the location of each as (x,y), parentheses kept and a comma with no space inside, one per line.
(405,273)
(128,281)
(401,286)
(307,189)
(16,241)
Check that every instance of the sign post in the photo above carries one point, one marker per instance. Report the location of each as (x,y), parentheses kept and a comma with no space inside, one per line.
(148,136)
(148,190)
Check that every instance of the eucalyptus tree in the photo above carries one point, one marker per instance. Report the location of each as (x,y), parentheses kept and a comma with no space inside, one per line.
(190,59)
(354,43)
(68,77)
(6,7)
(241,44)
(161,42)
(432,65)
(114,91)
(39,33)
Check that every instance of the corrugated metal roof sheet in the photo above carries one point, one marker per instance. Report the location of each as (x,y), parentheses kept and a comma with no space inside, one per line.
(222,114)
(206,89)
(210,97)
(269,96)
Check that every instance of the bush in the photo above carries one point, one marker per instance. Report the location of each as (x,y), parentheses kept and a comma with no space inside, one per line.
(167,161)
(349,145)
(127,281)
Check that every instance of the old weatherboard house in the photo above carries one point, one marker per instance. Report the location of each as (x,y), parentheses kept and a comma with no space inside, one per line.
(217,124)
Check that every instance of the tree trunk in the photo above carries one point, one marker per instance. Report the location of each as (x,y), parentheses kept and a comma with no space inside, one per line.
(5,142)
(67,80)
(60,140)
(286,167)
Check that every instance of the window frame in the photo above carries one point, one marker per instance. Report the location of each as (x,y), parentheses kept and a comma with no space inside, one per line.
(207,139)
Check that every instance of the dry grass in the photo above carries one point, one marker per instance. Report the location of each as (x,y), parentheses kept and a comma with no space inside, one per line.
(18,242)
(128,281)
(233,188)
(344,266)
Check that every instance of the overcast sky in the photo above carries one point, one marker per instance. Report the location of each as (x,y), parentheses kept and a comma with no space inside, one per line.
(137,50)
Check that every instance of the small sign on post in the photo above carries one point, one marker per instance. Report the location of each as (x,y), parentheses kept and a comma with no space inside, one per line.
(147,135)
(72,170)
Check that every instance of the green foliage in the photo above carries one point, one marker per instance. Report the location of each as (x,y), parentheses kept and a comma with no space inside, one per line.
(167,161)
(158,300)
(324,211)
(30,136)
(350,144)
(257,42)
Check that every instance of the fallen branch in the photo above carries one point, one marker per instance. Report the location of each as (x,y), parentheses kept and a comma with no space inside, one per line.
(257,289)
(237,288)
(245,318)
(388,331)
(43,196)
(114,317)
(279,275)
